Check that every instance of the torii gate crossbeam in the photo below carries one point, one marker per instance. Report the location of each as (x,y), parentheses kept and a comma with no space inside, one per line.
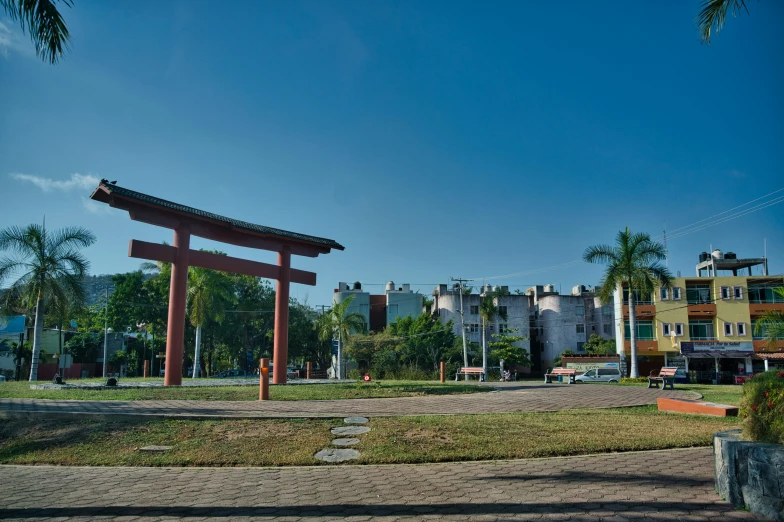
(186,221)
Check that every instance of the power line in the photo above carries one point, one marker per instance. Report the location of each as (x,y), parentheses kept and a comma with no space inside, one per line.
(726,211)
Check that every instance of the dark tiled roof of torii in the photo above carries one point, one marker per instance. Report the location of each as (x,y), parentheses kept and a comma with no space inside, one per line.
(132,194)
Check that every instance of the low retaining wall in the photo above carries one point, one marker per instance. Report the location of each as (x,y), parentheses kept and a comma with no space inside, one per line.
(750,474)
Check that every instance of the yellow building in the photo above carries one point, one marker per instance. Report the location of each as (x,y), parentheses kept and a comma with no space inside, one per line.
(705,324)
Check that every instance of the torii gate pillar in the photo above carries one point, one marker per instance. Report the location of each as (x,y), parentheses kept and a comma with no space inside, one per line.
(175,334)
(281,343)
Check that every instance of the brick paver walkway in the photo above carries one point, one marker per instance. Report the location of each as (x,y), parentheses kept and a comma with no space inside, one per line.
(516,397)
(663,485)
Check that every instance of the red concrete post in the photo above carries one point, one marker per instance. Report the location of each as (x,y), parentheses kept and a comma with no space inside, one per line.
(264,380)
(281,347)
(146,369)
(442,370)
(308,368)
(175,336)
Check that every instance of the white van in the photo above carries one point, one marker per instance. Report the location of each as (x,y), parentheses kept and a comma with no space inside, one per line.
(600,375)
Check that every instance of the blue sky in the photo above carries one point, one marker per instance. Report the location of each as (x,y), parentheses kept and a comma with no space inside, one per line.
(432,139)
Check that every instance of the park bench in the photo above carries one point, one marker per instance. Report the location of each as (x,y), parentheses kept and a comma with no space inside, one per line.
(470,371)
(666,376)
(570,373)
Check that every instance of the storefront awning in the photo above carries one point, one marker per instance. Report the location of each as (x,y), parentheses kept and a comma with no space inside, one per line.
(724,354)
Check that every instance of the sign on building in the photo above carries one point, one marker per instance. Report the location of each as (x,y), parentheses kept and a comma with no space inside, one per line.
(739,349)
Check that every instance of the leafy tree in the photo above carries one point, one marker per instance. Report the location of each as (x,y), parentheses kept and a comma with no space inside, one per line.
(338,322)
(635,262)
(84,347)
(771,324)
(44,23)
(559,358)
(118,358)
(714,12)
(51,268)
(209,292)
(598,345)
(504,349)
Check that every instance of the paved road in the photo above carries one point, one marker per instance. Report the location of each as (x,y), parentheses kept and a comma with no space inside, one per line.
(663,485)
(515,397)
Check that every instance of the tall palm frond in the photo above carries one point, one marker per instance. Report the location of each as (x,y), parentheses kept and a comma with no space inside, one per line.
(714,13)
(339,323)
(45,24)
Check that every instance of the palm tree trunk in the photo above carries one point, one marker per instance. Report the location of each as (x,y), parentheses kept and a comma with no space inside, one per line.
(484,347)
(197,354)
(339,372)
(633,372)
(38,332)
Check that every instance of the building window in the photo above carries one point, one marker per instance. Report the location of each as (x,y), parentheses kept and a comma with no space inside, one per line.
(638,297)
(580,346)
(762,330)
(764,293)
(678,329)
(607,311)
(701,330)
(725,292)
(579,311)
(728,329)
(666,329)
(645,331)
(676,293)
(473,327)
(698,294)
(738,292)
(502,311)
(580,328)
(607,329)
(742,329)
(502,328)
(474,310)
(664,293)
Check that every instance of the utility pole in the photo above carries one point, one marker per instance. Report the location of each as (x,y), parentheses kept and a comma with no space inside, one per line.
(462,324)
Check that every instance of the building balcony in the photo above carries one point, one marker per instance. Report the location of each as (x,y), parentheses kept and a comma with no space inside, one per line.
(641,310)
(757,309)
(701,310)
(761,345)
(643,346)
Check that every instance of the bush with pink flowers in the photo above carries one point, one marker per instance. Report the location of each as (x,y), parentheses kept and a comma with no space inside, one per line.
(762,407)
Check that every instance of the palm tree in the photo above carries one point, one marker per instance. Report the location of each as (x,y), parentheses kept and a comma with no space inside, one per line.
(208,293)
(488,312)
(44,23)
(771,324)
(338,322)
(51,267)
(714,12)
(634,261)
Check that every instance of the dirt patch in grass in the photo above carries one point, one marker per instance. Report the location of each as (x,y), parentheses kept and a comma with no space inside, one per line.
(277,442)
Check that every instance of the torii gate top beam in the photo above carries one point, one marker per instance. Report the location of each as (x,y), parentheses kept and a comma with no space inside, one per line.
(167,214)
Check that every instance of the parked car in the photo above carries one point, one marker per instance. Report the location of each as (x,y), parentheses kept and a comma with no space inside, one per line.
(600,375)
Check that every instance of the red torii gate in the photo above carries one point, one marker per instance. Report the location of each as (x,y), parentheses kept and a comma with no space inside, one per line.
(187,221)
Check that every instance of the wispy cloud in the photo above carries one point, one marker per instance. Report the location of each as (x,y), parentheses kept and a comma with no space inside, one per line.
(737,174)
(94,207)
(11,40)
(77,181)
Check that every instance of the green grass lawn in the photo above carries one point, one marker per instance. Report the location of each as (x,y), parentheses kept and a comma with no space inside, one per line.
(298,392)
(276,442)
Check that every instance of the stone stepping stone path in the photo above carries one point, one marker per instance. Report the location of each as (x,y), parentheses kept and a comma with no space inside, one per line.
(341,453)
(345,442)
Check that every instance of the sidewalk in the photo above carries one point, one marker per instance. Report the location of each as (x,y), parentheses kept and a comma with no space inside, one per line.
(520,397)
(660,485)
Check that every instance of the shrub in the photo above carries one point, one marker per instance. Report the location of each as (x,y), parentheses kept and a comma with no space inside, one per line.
(762,407)
(637,379)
